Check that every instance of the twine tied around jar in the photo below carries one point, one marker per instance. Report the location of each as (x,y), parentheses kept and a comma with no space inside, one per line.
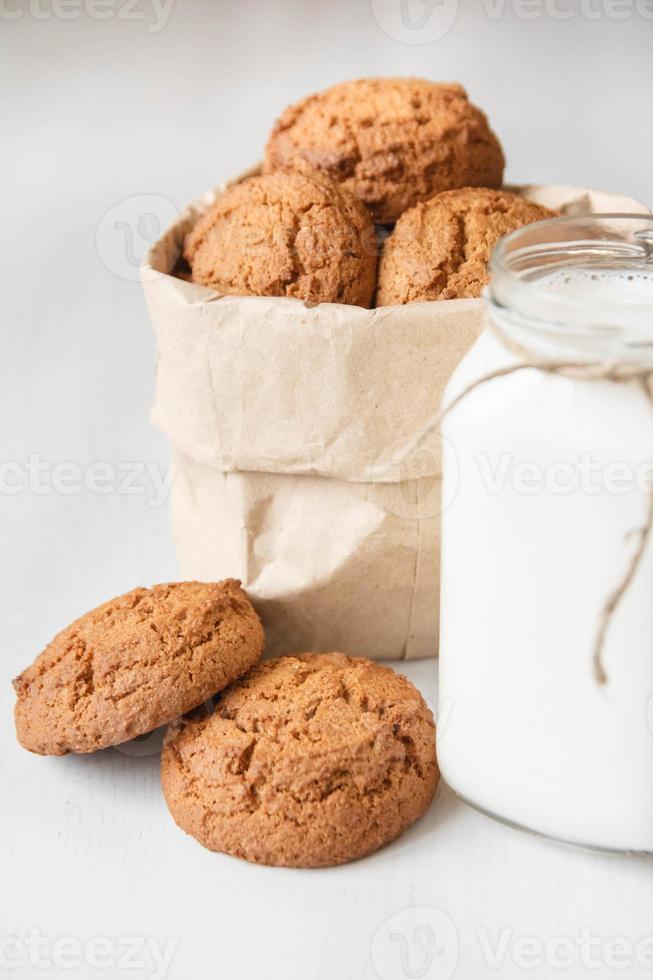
(620,373)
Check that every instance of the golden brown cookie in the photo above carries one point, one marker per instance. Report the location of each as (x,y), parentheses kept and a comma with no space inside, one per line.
(391,141)
(135,663)
(307,761)
(440,249)
(286,234)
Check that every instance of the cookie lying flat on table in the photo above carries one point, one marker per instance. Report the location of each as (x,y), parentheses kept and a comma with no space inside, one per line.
(286,234)
(307,761)
(440,249)
(135,663)
(391,141)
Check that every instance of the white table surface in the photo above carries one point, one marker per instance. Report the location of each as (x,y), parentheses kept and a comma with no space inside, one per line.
(90,851)
(105,122)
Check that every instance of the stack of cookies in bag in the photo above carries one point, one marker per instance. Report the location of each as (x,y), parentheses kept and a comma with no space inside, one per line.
(374,192)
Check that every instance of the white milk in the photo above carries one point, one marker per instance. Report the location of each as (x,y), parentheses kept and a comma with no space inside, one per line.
(548,479)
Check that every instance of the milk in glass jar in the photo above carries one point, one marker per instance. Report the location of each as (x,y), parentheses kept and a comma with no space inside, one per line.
(546,654)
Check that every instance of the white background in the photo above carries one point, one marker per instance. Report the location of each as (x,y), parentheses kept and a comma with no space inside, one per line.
(104,123)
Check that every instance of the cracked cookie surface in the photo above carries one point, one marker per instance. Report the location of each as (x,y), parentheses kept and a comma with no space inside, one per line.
(391,141)
(286,234)
(440,249)
(307,761)
(135,663)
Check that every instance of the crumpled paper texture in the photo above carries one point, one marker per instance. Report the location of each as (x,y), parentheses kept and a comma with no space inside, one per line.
(306,464)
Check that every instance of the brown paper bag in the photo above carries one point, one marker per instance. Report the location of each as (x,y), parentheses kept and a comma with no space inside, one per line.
(294,431)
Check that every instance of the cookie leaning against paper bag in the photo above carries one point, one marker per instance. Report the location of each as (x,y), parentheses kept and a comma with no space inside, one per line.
(135,663)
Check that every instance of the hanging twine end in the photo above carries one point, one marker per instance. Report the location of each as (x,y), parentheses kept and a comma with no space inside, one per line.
(600,675)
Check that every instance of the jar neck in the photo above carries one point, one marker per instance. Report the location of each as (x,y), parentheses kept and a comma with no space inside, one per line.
(578,288)
(556,335)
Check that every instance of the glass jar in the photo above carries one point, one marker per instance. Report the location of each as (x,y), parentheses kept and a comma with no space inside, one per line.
(548,470)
